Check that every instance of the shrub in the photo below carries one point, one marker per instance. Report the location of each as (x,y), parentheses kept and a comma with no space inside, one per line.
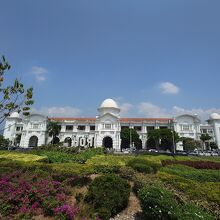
(106,169)
(195,164)
(66,211)
(158,203)
(189,211)
(143,166)
(109,194)
(126,173)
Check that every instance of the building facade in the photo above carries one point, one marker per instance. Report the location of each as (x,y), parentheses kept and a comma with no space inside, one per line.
(104,129)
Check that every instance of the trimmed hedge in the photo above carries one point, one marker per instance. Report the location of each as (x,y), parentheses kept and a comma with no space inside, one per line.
(195,164)
(207,191)
(108,194)
(59,156)
(192,173)
(17,156)
(143,166)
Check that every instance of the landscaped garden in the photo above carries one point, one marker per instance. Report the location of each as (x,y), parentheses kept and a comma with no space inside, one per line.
(63,183)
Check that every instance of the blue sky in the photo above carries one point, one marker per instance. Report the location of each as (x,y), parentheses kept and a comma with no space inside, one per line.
(156,58)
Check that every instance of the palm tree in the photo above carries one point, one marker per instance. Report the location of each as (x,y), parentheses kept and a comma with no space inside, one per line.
(53,130)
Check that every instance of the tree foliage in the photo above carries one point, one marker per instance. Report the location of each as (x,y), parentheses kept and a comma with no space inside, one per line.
(4,143)
(130,135)
(190,144)
(53,130)
(13,97)
(205,137)
(163,138)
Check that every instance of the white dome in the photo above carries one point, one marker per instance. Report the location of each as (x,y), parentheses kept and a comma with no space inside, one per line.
(109,103)
(214,116)
(15,115)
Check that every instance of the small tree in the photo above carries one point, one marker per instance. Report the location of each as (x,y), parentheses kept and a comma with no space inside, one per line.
(213,146)
(156,136)
(13,97)
(204,138)
(127,135)
(164,138)
(53,130)
(190,144)
(4,143)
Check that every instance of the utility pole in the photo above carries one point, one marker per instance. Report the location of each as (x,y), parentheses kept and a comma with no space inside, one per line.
(130,139)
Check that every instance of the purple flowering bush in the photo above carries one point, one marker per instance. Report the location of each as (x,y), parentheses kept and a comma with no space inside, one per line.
(26,194)
(66,211)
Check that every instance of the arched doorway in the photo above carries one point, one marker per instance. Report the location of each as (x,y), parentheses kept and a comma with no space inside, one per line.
(107,142)
(33,141)
(68,142)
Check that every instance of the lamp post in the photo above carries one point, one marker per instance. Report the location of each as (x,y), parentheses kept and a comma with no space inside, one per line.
(174,146)
(130,140)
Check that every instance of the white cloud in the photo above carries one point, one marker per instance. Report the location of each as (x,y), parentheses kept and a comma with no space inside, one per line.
(55,111)
(202,113)
(169,88)
(148,109)
(125,108)
(39,73)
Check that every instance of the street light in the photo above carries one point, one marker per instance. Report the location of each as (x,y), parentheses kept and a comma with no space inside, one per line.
(130,140)
(174,146)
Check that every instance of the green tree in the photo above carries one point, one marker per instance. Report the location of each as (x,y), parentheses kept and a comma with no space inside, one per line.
(130,134)
(204,138)
(4,143)
(13,97)
(190,144)
(53,130)
(213,146)
(163,138)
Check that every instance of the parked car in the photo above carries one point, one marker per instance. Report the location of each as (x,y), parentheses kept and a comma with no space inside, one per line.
(153,150)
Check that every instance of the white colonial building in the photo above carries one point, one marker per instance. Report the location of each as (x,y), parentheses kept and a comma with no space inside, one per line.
(104,129)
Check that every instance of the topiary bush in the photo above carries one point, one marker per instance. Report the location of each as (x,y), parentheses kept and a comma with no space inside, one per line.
(143,166)
(158,203)
(108,194)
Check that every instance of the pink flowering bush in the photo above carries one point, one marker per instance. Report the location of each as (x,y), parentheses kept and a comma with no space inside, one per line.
(66,211)
(25,194)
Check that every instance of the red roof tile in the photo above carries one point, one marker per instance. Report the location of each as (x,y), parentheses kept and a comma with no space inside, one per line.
(123,120)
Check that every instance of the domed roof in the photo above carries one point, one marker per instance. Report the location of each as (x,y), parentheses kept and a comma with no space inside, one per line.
(109,103)
(214,116)
(14,115)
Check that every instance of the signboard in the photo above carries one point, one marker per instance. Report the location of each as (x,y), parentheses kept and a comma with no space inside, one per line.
(83,142)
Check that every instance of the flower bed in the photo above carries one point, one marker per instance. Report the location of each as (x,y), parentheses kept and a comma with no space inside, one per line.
(25,195)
